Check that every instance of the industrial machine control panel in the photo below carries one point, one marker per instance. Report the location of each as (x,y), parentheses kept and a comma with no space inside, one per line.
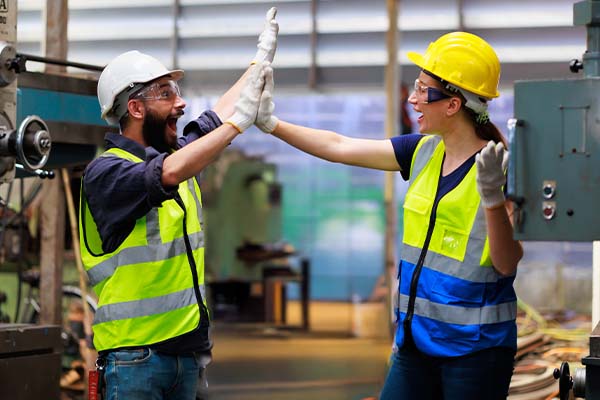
(554,170)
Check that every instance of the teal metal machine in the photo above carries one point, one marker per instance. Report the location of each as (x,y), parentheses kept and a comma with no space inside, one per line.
(69,107)
(554,169)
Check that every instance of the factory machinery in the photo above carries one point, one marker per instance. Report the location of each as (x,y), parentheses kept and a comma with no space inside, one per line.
(554,169)
(248,266)
(554,183)
(46,122)
(53,121)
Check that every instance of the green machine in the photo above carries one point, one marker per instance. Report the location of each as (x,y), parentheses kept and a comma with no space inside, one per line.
(242,213)
(554,170)
(247,262)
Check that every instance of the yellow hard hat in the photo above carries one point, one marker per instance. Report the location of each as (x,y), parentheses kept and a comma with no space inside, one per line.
(464,60)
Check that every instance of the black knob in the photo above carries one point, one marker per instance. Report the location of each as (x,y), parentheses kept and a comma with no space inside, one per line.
(565,381)
(575,66)
(17,64)
(556,373)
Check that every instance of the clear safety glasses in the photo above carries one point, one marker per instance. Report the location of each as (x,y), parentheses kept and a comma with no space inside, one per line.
(168,90)
(429,93)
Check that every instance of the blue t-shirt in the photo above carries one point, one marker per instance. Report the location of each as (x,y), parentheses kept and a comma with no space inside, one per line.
(404,148)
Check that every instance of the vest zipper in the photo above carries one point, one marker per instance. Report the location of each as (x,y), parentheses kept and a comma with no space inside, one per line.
(417,273)
(188,246)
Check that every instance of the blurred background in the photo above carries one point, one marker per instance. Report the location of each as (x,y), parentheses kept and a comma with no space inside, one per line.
(296,253)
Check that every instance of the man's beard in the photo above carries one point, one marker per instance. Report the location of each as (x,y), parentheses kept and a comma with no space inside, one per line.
(153,130)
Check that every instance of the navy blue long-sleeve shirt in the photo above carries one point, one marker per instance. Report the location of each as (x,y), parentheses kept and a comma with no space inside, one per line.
(118,192)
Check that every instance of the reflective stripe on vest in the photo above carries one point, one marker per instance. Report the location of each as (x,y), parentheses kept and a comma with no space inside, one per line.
(145,307)
(146,294)
(462,315)
(457,253)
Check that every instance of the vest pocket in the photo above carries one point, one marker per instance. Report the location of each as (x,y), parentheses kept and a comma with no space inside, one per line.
(450,241)
(455,291)
(130,357)
(461,302)
(416,218)
(470,333)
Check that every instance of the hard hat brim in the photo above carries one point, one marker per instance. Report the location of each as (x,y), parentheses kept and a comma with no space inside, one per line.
(176,74)
(416,58)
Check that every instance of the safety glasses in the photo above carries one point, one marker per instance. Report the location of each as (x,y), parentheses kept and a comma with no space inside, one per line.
(431,94)
(168,90)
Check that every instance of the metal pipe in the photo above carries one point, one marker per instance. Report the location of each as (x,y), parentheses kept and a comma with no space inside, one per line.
(55,61)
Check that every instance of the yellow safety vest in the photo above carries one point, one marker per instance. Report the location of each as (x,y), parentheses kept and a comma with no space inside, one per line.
(147,289)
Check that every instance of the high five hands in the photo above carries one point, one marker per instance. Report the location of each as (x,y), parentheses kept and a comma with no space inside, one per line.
(255,103)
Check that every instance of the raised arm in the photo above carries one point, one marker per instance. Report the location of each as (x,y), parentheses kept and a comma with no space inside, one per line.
(328,145)
(189,160)
(331,146)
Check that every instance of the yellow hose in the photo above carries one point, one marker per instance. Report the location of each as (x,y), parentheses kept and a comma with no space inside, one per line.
(548,328)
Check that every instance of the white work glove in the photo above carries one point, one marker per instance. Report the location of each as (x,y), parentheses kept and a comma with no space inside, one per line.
(265,121)
(491,163)
(267,41)
(246,107)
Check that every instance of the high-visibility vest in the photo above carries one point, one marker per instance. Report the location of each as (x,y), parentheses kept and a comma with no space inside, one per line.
(148,291)
(450,297)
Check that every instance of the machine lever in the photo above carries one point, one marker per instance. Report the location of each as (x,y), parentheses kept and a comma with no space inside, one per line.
(40,173)
(18,63)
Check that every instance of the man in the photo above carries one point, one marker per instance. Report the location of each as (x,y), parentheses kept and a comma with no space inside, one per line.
(141,222)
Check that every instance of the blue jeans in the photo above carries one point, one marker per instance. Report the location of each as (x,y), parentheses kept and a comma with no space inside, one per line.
(482,375)
(144,374)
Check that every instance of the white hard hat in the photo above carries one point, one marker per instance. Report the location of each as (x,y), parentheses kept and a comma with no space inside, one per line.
(125,71)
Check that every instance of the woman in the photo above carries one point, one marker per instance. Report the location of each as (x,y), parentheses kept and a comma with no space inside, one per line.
(456,334)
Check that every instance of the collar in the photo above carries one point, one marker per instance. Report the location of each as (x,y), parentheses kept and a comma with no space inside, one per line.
(117,140)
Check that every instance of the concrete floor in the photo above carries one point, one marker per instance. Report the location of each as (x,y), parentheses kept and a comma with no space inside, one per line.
(256,361)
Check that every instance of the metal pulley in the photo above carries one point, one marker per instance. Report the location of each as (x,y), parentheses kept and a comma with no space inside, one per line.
(33,143)
(566,382)
(30,144)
